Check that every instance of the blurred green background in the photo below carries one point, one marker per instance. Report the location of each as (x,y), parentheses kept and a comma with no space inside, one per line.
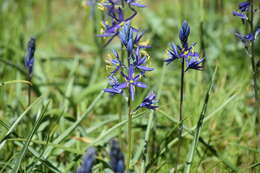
(70,71)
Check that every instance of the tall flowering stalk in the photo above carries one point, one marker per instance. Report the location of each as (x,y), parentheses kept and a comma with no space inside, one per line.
(29,62)
(186,55)
(128,71)
(246,12)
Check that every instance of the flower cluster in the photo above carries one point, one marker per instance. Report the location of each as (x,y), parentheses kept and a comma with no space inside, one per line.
(136,63)
(29,57)
(193,59)
(131,69)
(116,16)
(88,161)
(117,160)
(242,12)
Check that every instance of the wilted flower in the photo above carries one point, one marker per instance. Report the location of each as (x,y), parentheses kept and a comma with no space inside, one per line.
(29,57)
(132,81)
(149,102)
(117,160)
(116,86)
(88,161)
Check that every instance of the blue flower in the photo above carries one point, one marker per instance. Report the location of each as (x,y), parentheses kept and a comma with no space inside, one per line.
(134,3)
(29,57)
(116,157)
(117,17)
(194,62)
(132,81)
(116,87)
(139,62)
(184,34)
(126,37)
(88,161)
(240,15)
(173,54)
(242,11)
(116,62)
(244,6)
(149,102)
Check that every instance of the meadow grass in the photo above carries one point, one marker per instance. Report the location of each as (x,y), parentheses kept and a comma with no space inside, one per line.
(69,111)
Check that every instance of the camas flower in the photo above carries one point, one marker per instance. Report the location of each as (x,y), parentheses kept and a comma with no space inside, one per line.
(116,87)
(117,18)
(194,63)
(116,157)
(139,62)
(29,57)
(132,81)
(193,60)
(244,6)
(246,39)
(242,11)
(149,102)
(173,54)
(116,62)
(88,161)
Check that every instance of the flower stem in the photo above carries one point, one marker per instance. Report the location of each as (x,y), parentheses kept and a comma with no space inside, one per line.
(29,91)
(129,133)
(253,48)
(181,114)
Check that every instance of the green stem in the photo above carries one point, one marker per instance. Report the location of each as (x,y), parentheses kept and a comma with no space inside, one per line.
(129,133)
(29,91)
(253,48)
(180,114)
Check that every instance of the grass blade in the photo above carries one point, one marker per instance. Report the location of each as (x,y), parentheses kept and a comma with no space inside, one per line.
(29,138)
(11,129)
(198,128)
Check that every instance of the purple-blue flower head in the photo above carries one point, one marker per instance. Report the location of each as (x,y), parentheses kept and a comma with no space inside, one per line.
(116,87)
(132,81)
(194,62)
(244,6)
(117,160)
(149,101)
(173,54)
(140,62)
(126,37)
(29,57)
(184,34)
(88,161)
(116,62)
(240,15)
(134,3)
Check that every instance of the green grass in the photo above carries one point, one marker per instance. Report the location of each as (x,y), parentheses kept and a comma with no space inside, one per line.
(70,111)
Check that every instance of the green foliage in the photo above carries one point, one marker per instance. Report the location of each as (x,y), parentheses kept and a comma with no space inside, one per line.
(70,112)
